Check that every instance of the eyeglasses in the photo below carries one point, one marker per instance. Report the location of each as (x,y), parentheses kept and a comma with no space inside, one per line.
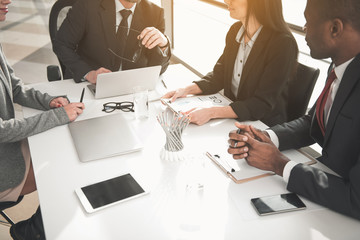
(137,53)
(123,106)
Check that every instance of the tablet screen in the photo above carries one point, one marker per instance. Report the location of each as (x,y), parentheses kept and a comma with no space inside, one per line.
(112,190)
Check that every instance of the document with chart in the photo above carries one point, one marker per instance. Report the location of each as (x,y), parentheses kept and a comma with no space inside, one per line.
(197,101)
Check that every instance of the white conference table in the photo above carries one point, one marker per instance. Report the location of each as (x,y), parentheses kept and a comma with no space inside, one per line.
(172,210)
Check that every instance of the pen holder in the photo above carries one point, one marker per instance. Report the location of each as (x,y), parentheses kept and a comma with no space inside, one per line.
(173,125)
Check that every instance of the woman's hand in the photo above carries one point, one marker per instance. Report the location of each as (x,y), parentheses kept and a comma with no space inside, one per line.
(181,92)
(200,116)
(58,102)
(73,110)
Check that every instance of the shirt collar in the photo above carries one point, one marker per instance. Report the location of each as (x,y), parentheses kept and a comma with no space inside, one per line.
(119,7)
(340,70)
(252,40)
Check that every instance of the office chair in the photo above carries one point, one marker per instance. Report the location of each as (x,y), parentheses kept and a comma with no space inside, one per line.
(57,15)
(300,90)
(5,205)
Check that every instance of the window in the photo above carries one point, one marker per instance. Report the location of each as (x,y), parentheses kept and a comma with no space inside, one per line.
(292,12)
(199,33)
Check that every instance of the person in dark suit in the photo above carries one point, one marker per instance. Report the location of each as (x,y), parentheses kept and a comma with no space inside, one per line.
(332,30)
(254,69)
(91,39)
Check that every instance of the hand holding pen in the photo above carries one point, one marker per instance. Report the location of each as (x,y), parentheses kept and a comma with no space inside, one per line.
(73,110)
(58,102)
(237,137)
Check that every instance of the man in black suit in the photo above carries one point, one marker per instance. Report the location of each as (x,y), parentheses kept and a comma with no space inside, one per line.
(332,30)
(95,38)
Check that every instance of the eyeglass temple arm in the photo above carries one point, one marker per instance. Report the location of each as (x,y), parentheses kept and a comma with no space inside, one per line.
(122,58)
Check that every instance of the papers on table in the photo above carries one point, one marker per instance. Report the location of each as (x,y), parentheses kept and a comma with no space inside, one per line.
(197,101)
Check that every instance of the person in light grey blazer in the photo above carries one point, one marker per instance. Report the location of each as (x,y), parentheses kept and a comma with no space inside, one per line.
(13,132)
(16,173)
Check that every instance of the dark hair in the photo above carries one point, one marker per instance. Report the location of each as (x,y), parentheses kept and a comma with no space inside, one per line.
(268,13)
(346,10)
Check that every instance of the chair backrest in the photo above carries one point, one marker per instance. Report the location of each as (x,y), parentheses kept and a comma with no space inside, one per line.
(5,205)
(300,90)
(57,15)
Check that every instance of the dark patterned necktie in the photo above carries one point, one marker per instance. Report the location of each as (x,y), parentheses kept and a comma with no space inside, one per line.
(320,103)
(122,31)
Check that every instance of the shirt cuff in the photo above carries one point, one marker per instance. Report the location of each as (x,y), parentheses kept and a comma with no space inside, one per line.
(165,52)
(84,78)
(274,138)
(287,170)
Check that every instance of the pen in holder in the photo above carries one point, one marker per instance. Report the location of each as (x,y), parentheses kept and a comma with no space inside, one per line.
(173,125)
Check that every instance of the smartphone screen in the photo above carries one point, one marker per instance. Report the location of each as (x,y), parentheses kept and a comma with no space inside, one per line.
(277,204)
(112,190)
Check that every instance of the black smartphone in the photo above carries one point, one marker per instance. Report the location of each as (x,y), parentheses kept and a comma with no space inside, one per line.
(277,204)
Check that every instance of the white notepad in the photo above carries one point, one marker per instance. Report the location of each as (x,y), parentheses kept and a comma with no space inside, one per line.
(239,171)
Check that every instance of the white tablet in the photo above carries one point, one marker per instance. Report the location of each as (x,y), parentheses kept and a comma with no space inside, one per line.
(109,192)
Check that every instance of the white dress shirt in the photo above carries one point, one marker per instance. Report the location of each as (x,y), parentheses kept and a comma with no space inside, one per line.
(242,55)
(118,8)
(339,71)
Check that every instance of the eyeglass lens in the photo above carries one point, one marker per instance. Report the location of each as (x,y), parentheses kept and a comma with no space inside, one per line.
(124,106)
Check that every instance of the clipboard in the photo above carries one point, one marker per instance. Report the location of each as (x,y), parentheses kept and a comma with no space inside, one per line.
(188,103)
(243,172)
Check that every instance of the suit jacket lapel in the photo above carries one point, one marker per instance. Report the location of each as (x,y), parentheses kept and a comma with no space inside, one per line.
(350,78)
(137,24)
(109,23)
(138,21)
(255,53)
(231,58)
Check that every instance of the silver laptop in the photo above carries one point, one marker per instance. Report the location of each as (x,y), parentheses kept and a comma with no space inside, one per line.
(103,137)
(122,82)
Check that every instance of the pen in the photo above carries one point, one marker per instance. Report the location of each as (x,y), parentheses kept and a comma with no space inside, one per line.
(238,132)
(82,95)
(162,81)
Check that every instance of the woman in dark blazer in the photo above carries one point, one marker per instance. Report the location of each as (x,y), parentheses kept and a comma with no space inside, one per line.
(255,68)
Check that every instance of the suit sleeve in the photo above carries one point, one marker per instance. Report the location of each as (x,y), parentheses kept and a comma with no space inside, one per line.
(12,130)
(28,97)
(339,194)
(68,37)
(295,134)
(155,55)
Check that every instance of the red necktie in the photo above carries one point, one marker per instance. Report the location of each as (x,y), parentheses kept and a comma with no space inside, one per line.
(320,103)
